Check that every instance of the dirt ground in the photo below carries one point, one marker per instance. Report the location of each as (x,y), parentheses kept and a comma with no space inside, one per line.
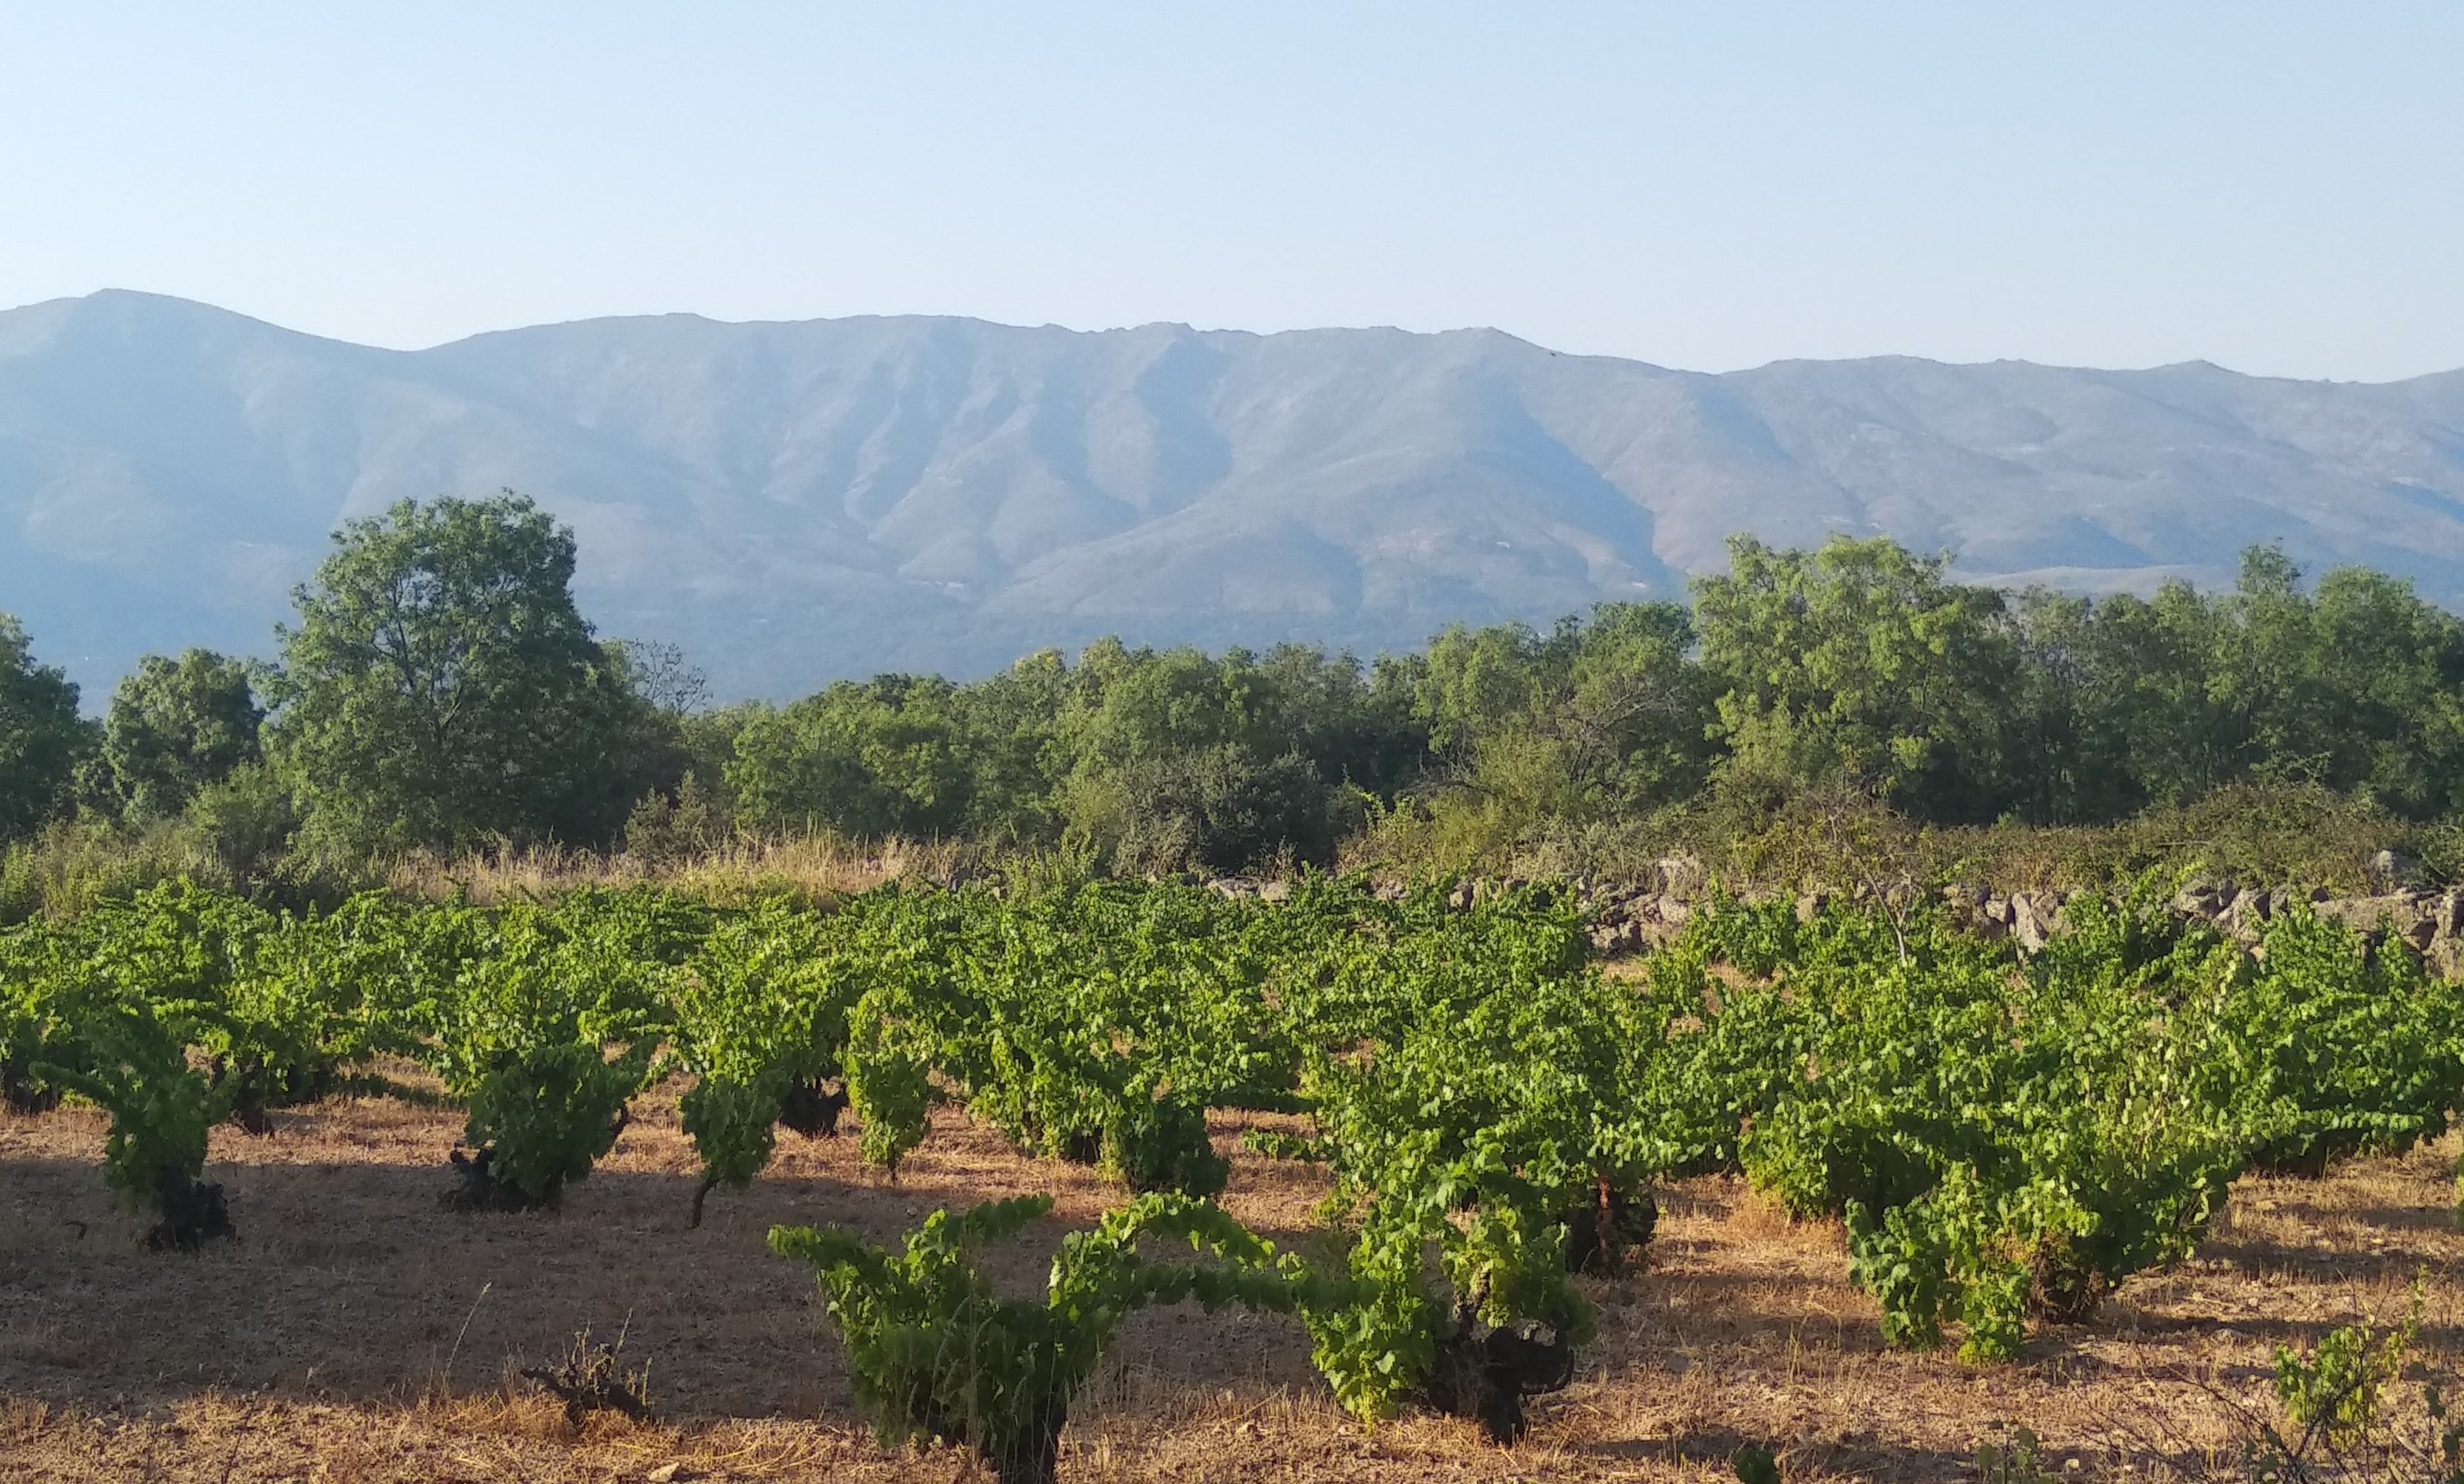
(357,1332)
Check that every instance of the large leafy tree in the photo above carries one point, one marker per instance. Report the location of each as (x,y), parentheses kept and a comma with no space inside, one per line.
(40,734)
(440,688)
(1859,663)
(1593,718)
(2358,684)
(1176,759)
(869,760)
(176,726)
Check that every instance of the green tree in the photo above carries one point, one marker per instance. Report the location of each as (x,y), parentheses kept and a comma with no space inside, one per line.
(1859,663)
(1355,724)
(2357,685)
(875,760)
(2064,758)
(440,687)
(1594,719)
(176,726)
(1177,760)
(40,734)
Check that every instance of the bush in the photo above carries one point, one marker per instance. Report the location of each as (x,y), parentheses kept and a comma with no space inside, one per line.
(938,1356)
(539,1123)
(132,1066)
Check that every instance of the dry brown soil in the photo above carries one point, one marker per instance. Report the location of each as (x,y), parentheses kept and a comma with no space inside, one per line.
(357,1331)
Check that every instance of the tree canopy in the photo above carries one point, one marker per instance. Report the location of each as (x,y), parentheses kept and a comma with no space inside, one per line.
(40,734)
(177,725)
(440,687)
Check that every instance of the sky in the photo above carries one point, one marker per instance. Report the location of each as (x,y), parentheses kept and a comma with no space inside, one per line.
(2279,189)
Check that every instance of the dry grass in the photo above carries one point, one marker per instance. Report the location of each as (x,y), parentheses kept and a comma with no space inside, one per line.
(814,869)
(357,1332)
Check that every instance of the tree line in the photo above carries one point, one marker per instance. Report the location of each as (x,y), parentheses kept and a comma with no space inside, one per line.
(438,689)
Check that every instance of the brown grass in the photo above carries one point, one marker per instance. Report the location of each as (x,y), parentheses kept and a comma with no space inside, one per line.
(359,1332)
(812,868)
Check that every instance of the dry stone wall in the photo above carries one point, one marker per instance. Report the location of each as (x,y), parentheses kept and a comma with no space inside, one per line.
(2429,922)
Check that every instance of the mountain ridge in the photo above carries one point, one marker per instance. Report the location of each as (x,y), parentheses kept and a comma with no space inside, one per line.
(798,500)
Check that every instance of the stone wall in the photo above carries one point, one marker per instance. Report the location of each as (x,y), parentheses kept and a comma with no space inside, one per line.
(2430,923)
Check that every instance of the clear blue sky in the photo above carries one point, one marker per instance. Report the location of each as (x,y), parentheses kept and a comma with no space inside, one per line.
(2276,187)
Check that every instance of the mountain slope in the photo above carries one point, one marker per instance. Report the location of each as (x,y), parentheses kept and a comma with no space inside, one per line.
(794,502)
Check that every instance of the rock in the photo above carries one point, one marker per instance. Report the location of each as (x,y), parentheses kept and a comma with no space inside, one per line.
(2198,902)
(2244,919)
(1681,877)
(1275,891)
(2401,916)
(2032,920)
(2448,912)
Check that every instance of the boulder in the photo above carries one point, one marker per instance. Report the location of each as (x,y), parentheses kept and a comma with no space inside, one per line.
(2400,916)
(2032,918)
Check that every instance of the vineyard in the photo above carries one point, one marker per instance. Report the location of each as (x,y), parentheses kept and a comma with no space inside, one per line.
(1491,1117)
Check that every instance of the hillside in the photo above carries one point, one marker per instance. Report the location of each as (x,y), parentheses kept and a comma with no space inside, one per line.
(796,502)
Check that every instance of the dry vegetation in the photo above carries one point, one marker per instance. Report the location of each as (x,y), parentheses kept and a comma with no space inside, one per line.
(357,1332)
(811,867)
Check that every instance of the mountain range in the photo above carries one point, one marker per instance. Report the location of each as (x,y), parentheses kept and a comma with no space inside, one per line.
(797,502)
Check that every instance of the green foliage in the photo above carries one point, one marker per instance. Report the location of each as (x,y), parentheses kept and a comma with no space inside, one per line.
(1859,663)
(2336,1390)
(1160,1144)
(2329,1048)
(938,1355)
(128,1061)
(866,760)
(440,688)
(244,824)
(2005,1135)
(1531,734)
(761,1008)
(888,1085)
(732,1125)
(517,1011)
(40,736)
(1177,763)
(2015,1460)
(2004,1141)
(2339,1415)
(441,691)
(545,1115)
(176,727)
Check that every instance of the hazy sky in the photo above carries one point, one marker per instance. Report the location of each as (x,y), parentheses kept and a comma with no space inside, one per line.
(2276,187)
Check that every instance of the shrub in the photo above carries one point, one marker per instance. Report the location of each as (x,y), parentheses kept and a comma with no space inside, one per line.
(937,1355)
(134,1067)
(539,1121)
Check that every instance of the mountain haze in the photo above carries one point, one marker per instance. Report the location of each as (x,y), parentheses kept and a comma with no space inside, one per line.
(797,502)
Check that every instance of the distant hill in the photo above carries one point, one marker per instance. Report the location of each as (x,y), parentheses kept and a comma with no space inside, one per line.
(803,501)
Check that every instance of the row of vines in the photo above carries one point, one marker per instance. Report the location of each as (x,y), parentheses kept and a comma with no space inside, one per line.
(2005,1136)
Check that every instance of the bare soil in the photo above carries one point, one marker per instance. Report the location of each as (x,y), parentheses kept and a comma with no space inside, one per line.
(356,1331)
